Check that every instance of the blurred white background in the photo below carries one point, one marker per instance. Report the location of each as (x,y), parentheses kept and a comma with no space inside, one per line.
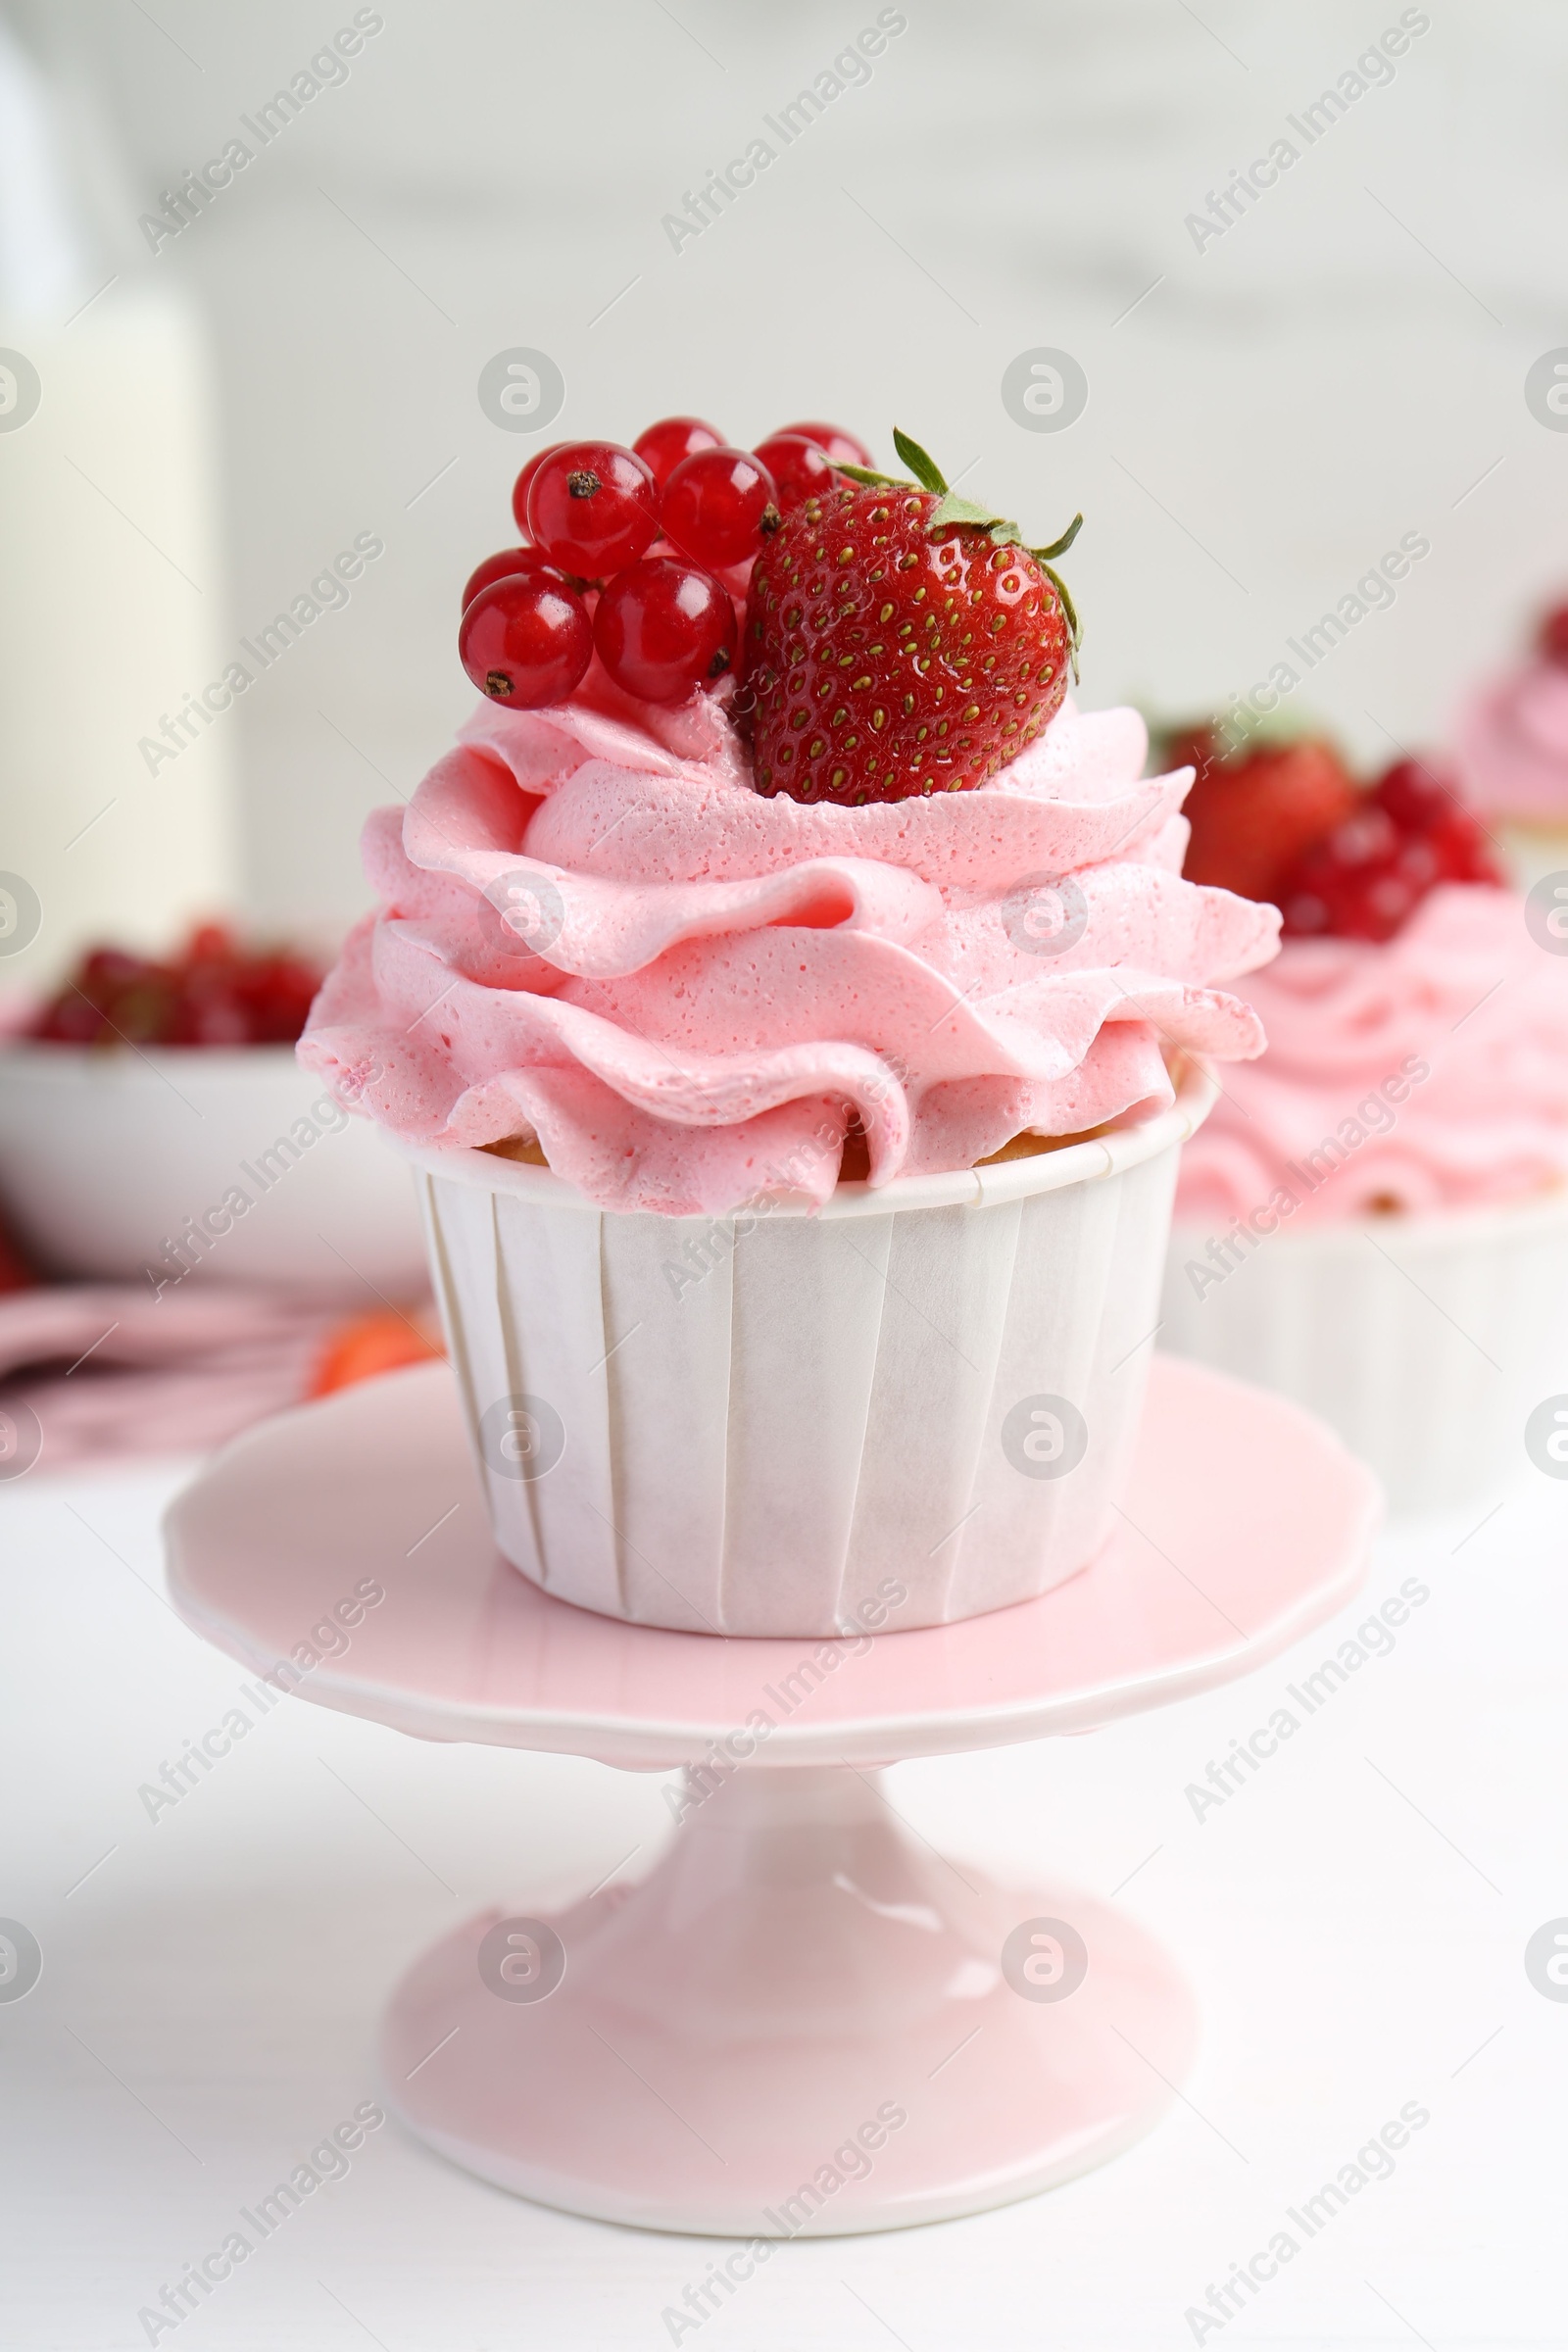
(1267,415)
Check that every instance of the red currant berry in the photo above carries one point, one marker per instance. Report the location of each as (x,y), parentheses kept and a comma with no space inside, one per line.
(1552,640)
(526,642)
(800,469)
(1420,864)
(510,563)
(525,483)
(841,447)
(663,445)
(664,628)
(1305,914)
(1366,839)
(593,508)
(1389,897)
(1462,849)
(1413,795)
(719,507)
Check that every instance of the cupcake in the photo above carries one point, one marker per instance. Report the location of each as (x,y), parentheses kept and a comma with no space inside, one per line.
(1375,1217)
(795,1069)
(1512,748)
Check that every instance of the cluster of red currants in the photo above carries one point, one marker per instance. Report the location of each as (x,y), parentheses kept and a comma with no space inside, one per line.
(1363,879)
(637,555)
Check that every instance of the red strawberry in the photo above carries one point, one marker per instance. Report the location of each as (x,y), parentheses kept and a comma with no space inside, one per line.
(1255,812)
(899,640)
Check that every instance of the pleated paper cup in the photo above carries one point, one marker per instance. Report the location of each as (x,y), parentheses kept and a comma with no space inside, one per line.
(1436,1346)
(911,1406)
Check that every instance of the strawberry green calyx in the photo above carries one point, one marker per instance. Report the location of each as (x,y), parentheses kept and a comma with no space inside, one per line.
(954,510)
(924,467)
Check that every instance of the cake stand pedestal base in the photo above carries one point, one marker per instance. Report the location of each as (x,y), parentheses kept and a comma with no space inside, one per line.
(803,2022)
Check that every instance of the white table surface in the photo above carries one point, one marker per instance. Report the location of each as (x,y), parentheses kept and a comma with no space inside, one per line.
(1354,1917)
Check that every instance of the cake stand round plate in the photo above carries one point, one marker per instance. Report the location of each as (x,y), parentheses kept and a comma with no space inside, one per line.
(802,2020)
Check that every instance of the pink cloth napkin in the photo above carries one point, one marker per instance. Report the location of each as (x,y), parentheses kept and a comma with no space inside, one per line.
(102,1372)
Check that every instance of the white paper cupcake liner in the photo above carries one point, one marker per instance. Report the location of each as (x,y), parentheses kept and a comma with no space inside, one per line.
(1426,1341)
(915,1406)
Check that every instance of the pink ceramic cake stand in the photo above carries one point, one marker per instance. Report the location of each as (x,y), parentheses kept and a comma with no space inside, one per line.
(803,2020)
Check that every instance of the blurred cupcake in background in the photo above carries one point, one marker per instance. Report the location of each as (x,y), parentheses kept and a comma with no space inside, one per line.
(1512,751)
(1375,1219)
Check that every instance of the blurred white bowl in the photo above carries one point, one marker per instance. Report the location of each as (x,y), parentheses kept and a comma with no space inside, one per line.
(134,1164)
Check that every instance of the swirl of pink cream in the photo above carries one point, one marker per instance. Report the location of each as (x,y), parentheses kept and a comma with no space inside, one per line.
(1512,745)
(1462,1020)
(595,933)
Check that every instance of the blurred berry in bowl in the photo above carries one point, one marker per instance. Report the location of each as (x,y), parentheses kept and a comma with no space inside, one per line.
(214,992)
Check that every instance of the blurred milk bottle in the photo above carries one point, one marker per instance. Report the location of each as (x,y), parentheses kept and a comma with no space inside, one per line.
(115,779)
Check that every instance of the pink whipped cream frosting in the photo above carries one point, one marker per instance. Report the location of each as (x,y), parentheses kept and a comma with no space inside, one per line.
(1464,995)
(1512,745)
(725,981)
